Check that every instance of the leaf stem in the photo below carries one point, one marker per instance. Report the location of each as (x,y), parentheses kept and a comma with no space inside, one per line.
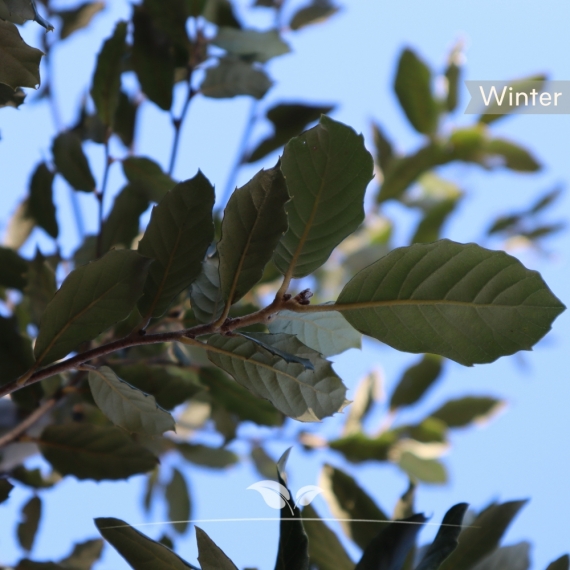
(177,123)
(101,196)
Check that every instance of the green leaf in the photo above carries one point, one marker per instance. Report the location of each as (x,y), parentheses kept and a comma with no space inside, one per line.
(254,222)
(77,18)
(84,555)
(126,406)
(358,447)
(562,563)
(125,119)
(219,12)
(389,548)
(92,298)
(317,11)
(19,63)
(326,332)
(251,44)
(232,77)
(152,58)
(40,203)
(483,535)
(405,506)
(459,301)
(416,381)
(211,556)
(30,520)
(107,76)
(205,294)
(413,88)
(323,163)
(429,228)
(26,564)
(519,86)
(94,452)
(169,385)
(138,550)
(15,351)
(33,478)
(147,175)
(71,162)
(20,11)
(5,489)
(13,269)
(260,339)
(325,549)
(347,500)
(510,156)
(426,470)
(10,97)
(384,150)
(238,400)
(303,394)
(513,557)
(289,120)
(177,237)
(463,411)
(453,75)
(178,500)
(214,457)
(446,539)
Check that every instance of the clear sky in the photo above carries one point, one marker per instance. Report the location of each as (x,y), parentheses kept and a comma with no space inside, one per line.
(350,60)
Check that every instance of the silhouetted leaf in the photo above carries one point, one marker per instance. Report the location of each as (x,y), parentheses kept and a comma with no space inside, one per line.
(92,298)
(13,269)
(251,44)
(303,394)
(71,162)
(254,222)
(450,299)
(211,556)
(453,74)
(562,563)
(513,557)
(125,119)
(77,18)
(323,162)
(5,489)
(33,478)
(384,150)
(219,12)
(19,63)
(215,457)
(10,97)
(147,175)
(416,381)
(317,11)
(463,411)
(30,520)
(232,77)
(177,237)
(84,555)
(40,203)
(15,351)
(94,452)
(178,500)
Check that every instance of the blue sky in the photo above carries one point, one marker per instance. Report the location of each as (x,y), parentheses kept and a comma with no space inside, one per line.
(350,61)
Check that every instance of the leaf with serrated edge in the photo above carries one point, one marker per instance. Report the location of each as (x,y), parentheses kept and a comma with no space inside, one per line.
(178,235)
(138,550)
(327,170)
(126,406)
(326,332)
(303,394)
(94,452)
(92,298)
(210,555)
(460,301)
(254,222)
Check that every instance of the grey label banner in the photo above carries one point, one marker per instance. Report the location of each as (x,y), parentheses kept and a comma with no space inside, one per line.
(529,97)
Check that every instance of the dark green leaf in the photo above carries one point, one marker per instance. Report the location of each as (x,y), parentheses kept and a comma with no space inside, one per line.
(107,77)
(238,400)
(84,555)
(446,539)
(260,339)
(513,557)
(416,381)
(319,165)
(15,351)
(92,298)
(152,58)
(211,556)
(429,228)
(205,294)
(510,156)
(254,222)
(325,549)
(177,237)
(251,44)
(219,12)
(463,411)
(384,150)
(347,500)
(303,394)
(317,11)
(389,548)
(562,563)
(40,203)
(215,457)
(5,488)
(71,162)
(19,63)
(453,75)
(11,97)
(126,406)
(232,77)
(26,564)
(519,86)
(450,299)
(326,332)
(78,18)
(34,478)
(13,269)
(178,500)
(264,464)
(358,447)
(94,452)
(505,223)
(138,550)
(30,520)
(413,88)
(483,535)
(546,200)
(172,22)
(148,176)
(125,119)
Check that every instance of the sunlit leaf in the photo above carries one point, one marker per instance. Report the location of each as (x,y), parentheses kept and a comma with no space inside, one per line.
(317,11)
(358,447)
(463,411)
(422,469)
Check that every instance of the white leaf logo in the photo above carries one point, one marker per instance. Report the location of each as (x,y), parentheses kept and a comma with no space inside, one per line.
(274,494)
(306,495)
